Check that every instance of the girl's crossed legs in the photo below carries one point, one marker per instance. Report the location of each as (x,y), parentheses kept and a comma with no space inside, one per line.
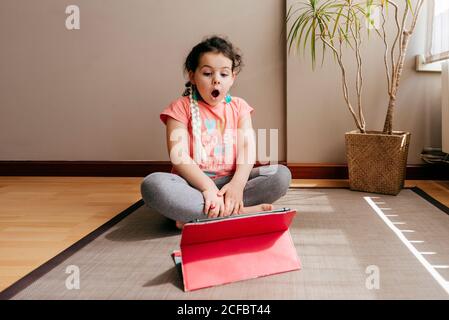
(172,196)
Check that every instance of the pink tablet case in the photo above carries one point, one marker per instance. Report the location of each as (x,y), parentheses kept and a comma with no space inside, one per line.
(215,252)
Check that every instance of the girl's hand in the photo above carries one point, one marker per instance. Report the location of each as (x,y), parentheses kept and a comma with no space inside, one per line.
(213,204)
(233,197)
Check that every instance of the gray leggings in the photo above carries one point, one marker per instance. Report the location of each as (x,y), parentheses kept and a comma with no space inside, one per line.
(172,196)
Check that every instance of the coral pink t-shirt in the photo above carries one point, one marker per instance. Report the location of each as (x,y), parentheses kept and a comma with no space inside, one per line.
(219,126)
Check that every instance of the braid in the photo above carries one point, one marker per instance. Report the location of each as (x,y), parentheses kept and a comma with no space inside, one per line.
(198,151)
(187,90)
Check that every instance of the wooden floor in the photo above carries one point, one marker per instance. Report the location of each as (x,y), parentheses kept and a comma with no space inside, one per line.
(42,216)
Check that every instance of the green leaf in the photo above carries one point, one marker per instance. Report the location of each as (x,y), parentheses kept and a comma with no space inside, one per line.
(409,5)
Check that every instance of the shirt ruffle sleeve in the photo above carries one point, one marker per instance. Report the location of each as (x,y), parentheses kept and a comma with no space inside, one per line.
(177,110)
(244,108)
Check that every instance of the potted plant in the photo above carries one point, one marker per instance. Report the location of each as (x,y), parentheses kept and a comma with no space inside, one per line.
(377,160)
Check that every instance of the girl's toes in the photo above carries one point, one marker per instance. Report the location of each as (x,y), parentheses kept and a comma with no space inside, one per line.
(267,207)
(180,225)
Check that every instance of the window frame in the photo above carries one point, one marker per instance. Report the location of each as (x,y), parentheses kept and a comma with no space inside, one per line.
(431,57)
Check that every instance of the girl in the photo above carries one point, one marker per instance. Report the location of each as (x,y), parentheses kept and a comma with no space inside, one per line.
(211,146)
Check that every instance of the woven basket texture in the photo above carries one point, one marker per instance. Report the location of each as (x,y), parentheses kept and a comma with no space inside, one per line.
(377,162)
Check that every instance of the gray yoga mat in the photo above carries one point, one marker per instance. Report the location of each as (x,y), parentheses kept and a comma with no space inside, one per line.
(347,251)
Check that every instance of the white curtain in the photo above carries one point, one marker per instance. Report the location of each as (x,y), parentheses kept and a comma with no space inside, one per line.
(438,45)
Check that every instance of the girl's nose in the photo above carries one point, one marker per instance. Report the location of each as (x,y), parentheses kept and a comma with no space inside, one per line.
(215,81)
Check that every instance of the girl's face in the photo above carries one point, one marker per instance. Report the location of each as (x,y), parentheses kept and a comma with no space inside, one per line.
(213,77)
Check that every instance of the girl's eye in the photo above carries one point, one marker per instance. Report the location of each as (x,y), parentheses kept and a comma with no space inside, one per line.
(207,73)
(224,75)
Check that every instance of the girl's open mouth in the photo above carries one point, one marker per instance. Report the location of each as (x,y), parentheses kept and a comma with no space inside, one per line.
(215,93)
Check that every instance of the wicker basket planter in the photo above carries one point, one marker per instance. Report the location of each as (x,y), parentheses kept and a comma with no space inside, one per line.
(376,161)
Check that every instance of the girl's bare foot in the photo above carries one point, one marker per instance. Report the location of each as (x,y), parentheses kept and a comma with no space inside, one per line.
(180,225)
(258,208)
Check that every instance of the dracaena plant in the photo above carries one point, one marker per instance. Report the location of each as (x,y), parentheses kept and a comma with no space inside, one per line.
(335,24)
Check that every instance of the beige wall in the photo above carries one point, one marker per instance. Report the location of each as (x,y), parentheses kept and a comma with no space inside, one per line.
(96,93)
(317,117)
